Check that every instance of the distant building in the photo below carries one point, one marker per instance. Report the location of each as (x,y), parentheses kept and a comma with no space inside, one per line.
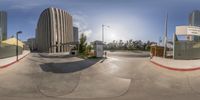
(3,25)
(32,44)
(75,31)
(194,20)
(54,31)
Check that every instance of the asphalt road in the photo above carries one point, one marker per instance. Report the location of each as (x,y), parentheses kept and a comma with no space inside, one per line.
(122,76)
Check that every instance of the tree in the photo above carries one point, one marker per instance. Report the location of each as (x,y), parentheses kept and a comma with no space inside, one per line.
(148,45)
(120,44)
(88,49)
(128,45)
(83,44)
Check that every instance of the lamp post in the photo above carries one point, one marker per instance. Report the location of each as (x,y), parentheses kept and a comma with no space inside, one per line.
(19,32)
(103,31)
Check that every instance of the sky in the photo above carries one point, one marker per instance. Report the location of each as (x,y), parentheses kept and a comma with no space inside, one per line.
(128,19)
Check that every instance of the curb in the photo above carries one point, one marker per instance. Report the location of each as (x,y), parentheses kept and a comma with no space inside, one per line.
(176,69)
(4,66)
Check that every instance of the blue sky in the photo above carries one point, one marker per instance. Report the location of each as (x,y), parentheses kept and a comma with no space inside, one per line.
(128,19)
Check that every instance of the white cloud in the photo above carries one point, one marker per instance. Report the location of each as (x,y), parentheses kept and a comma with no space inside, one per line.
(22,6)
(88,32)
(79,20)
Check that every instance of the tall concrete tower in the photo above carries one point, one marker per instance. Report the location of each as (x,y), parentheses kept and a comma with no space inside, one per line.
(54,31)
(75,31)
(3,25)
(194,20)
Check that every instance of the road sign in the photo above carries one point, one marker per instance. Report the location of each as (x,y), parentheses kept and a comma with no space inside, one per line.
(187,30)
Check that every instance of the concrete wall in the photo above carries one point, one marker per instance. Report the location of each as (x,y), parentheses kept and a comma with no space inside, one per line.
(187,50)
(9,51)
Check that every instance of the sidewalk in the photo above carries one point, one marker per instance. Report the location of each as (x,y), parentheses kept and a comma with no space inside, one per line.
(11,60)
(178,65)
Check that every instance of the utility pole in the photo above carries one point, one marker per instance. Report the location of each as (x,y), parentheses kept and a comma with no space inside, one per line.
(165,36)
(103,31)
(32,45)
(174,40)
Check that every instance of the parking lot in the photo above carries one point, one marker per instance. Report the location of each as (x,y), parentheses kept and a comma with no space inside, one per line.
(121,76)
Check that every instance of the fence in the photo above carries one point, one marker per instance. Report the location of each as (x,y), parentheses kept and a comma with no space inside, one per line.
(187,50)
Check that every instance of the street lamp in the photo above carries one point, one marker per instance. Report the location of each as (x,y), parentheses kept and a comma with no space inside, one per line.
(103,31)
(19,32)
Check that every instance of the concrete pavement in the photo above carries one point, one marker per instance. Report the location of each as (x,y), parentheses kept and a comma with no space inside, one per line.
(62,78)
(115,78)
(8,61)
(178,65)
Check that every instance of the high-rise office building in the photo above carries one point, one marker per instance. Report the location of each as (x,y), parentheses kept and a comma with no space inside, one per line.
(194,20)
(54,31)
(3,25)
(31,43)
(75,31)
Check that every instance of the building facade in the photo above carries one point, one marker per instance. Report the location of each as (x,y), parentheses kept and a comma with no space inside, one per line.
(194,20)
(3,25)
(75,31)
(190,47)
(32,44)
(54,31)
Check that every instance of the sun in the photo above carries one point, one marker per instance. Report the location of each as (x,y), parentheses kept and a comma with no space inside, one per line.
(113,34)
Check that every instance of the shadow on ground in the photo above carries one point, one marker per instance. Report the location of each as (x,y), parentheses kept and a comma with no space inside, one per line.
(131,55)
(103,59)
(68,67)
(56,56)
